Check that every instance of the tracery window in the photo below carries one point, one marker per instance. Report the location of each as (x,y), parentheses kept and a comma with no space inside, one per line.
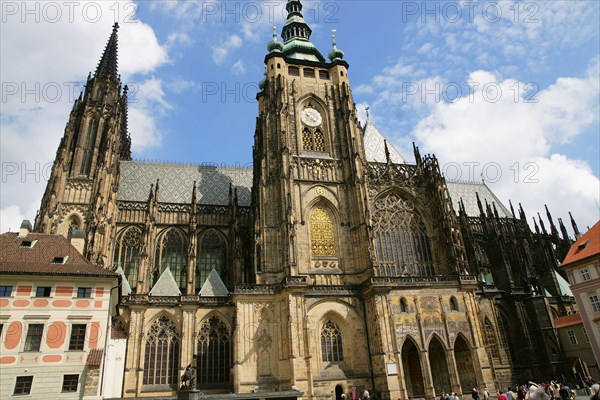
(321,233)
(490,339)
(401,240)
(331,343)
(313,140)
(127,255)
(171,253)
(161,361)
(214,353)
(88,147)
(211,255)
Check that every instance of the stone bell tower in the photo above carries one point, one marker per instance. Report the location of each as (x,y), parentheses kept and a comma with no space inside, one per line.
(81,191)
(309,193)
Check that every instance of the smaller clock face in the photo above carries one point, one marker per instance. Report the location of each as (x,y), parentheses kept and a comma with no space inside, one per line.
(311,117)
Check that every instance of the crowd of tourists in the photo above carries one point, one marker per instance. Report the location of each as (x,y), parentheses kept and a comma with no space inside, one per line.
(533,391)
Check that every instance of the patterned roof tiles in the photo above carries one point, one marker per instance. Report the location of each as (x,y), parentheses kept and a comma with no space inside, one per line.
(176,183)
(375,146)
(467,191)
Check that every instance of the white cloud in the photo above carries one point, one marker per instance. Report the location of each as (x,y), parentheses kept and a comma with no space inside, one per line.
(515,138)
(221,52)
(238,68)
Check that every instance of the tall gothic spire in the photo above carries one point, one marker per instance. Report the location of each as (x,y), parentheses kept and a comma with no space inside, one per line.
(107,68)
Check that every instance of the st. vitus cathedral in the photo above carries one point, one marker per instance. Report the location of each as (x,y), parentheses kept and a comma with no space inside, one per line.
(332,266)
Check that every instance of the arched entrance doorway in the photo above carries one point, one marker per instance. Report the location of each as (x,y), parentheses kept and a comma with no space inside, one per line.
(439,366)
(413,375)
(464,364)
(339,391)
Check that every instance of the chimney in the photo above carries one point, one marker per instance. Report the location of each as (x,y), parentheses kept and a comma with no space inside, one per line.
(78,240)
(25,228)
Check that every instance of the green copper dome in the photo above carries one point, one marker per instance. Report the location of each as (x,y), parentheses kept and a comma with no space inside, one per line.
(335,53)
(275,46)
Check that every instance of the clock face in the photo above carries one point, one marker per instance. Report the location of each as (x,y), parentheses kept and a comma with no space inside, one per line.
(311,117)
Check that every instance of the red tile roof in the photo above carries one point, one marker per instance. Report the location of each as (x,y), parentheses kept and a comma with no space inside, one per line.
(587,245)
(94,358)
(568,320)
(16,258)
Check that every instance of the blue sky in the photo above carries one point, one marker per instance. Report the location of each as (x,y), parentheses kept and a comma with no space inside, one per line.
(505,91)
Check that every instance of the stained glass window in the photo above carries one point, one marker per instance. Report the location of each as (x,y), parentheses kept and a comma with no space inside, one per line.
(172,253)
(211,254)
(214,353)
(401,240)
(161,361)
(331,343)
(127,255)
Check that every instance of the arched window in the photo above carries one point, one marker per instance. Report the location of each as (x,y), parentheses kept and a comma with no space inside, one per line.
(88,147)
(401,240)
(171,253)
(214,354)
(161,361)
(321,233)
(127,255)
(453,304)
(490,339)
(403,306)
(211,255)
(331,343)
(74,224)
(313,140)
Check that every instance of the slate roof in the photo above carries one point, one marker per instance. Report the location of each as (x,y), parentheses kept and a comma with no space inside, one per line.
(586,246)
(214,286)
(38,259)
(468,192)
(375,147)
(177,182)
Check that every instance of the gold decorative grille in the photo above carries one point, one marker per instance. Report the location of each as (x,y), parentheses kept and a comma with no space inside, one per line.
(313,141)
(161,361)
(490,339)
(401,240)
(331,343)
(321,233)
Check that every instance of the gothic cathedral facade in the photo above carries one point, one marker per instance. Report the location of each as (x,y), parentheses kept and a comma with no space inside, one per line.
(332,266)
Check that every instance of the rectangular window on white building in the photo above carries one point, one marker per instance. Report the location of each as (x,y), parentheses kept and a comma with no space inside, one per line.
(572,336)
(34,337)
(595,303)
(585,274)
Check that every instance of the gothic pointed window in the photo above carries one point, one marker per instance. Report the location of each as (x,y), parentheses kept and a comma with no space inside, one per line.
(331,343)
(161,360)
(401,241)
(214,354)
(322,236)
(211,255)
(171,253)
(490,339)
(127,255)
(88,147)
